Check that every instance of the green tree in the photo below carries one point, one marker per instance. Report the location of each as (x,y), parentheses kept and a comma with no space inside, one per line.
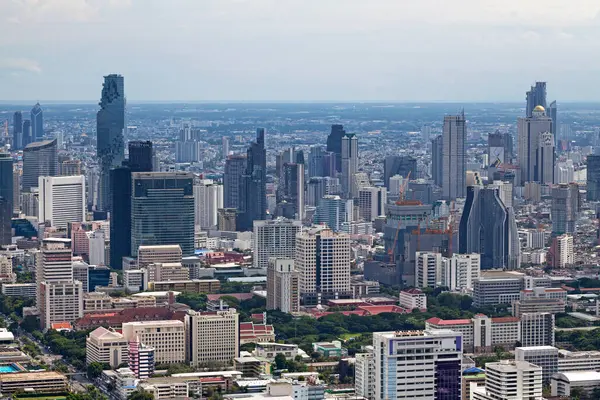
(140,395)
(92,393)
(280,361)
(94,370)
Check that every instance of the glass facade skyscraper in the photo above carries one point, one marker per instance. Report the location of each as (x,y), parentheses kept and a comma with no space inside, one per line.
(110,124)
(140,156)
(39,159)
(334,144)
(37,123)
(162,210)
(17,142)
(6,197)
(254,184)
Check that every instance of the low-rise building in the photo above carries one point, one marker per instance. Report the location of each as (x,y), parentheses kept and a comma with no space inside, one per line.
(569,361)
(270,350)
(106,347)
(330,349)
(251,332)
(564,383)
(165,388)
(36,382)
(96,301)
(542,356)
(192,285)
(413,298)
(19,289)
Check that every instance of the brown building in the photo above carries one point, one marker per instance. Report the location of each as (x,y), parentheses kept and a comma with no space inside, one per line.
(192,285)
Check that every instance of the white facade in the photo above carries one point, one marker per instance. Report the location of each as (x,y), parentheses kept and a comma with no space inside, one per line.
(460,271)
(60,302)
(106,346)
(212,336)
(96,245)
(282,286)
(349,166)
(166,337)
(136,280)
(371,202)
(563,384)
(208,198)
(510,380)
(413,298)
(275,238)
(563,251)
(61,200)
(564,172)
(400,375)
(54,263)
(542,356)
(529,131)
(428,269)
(537,329)
(364,369)
(569,361)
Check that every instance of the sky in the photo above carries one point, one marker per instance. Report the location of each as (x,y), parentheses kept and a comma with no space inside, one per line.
(300,50)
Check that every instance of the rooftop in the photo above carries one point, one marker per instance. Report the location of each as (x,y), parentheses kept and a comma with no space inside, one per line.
(439,321)
(580,376)
(32,376)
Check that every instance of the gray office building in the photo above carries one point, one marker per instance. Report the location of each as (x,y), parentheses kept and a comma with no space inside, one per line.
(553,113)
(399,165)
(566,204)
(593,178)
(437,160)
(110,125)
(235,166)
(37,123)
(454,166)
(162,210)
(39,159)
(489,228)
(6,198)
(536,96)
(17,130)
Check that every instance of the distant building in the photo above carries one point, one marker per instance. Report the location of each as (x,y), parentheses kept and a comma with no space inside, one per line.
(282,285)
(37,123)
(235,165)
(7,188)
(510,380)
(106,347)
(398,165)
(454,164)
(566,204)
(212,336)
(166,337)
(537,329)
(253,206)
(536,147)
(39,159)
(349,166)
(593,177)
(437,160)
(62,200)
(275,238)
(334,144)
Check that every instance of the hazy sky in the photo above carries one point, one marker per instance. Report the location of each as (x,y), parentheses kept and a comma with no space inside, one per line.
(457,50)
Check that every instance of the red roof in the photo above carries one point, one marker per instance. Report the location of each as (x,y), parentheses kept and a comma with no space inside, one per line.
(117,319)
(438,321)
(61,325)
(413,291)
(375,310)
(503,320)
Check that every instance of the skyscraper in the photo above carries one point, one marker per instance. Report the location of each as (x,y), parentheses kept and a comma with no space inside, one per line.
(454,167)
(282,285)
(120,217)
(593,177)
(6,198)
(553,114)
(291,188)
(37,123)
(235,166)
(530,132)
(315,161)
(566,204)
(536,96)
(140,156)
(332,211)
(322,259)
(544,159)
(334,144)
(26,133)
(225,141)
(489,228)
(208,198)
(254,184)
(61,200)
(500,147)
(110,122)
(275,238)
(371,202)
(398,165)
(17,130)
(349,166)
(39,159)
(437,160)
(162,210)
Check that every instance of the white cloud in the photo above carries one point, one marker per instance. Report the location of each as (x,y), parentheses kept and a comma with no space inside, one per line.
(16,65)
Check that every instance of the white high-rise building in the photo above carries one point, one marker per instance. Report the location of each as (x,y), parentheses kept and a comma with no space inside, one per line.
(417,365)
(208,198)
(371,202)
(323,262)
(282,285)
(54,262)
(166,337)
(530,131)
(510,380)
(97,247)
(349,165)
(60,302)
(564,172)
(212,336)
(428,269)
(460,271)
(562,251)
(274,238)
(454,169)
(395,185)
(364,370)
(61,200)
(106,346)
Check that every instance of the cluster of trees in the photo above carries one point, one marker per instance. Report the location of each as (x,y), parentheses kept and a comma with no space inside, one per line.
(295,365)
(564,320)
(13,306)
(71,345)
(580,340)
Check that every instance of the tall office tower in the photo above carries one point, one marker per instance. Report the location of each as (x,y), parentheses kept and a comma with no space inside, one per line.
(349,165)
(500,147)
(235,165)
(536,96)
(286,156)
(319,186)
(530,130)
(566,204)
(39,159)
(188,152)
(489,228)
(167,338)
(545,159)
(16,191)
(6,197)
(565,132)
(399,165)
(37,123)
(213,336)
(453,157)
(26,133)
(322,260)
(510,380)
(226,219)
(428,269)
(70,167)
(291,188)
(553,114)
(17,130)
(166,254)
(61,200)
(333,211)
(334,144)
(110,126)
(140,156)
(254,184)
(282,285)
(329,164)
(460,271)
(371,202)
(561,253)
(426,133)
(437,160)
(60,302)
(274,238)
(564,172)
(593,177)
(208,198)
(225,144)
(435,373)
(162,210)
(396,182)
(120,217)
(315,161)
(537,329)
(54,263)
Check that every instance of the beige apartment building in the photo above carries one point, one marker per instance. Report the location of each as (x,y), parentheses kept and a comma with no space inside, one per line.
(212,336)
(158,254)
(107,347)
(166,337)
